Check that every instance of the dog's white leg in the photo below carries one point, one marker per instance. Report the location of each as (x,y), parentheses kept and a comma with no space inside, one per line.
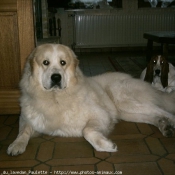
(164,120)
(93,134)
(19,145)
(169,89)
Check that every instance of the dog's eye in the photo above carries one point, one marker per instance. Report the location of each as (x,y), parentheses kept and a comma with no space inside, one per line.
(154,61)
(62,62)
(162,62)
(46,63)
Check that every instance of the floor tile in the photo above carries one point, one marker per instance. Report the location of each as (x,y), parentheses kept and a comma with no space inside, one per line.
(73,150)
(167,166)
(17,164)
(127,136)
(69,139)
(169,144)
(171,157)
(11,120)
(155,146)
(124,128)
(45,151)
(29,154)
(83,169)
(144,128)
(138,168)
(102,155)
(13,133)
(2,120)
(17,171)
(4,130)
(41,169)
(105,166)
(73,161)
(132,158)
(135,146)
(156,132)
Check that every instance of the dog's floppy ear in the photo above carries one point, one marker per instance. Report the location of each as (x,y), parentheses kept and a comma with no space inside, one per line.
(30,62)
(27,73)
(149,72)
(164,72)
(73,70)
(75,60)
(29,65)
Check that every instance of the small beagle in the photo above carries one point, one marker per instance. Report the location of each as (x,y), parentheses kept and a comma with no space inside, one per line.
(160,74)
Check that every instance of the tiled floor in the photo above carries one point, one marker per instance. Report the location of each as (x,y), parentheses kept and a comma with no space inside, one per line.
(97,63)
(142,150)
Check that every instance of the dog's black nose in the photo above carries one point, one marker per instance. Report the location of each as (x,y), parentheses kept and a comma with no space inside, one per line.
(157,71)
(56,78)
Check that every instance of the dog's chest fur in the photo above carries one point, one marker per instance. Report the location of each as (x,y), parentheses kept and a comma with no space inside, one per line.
(157,83)
(61,116)
(57,118)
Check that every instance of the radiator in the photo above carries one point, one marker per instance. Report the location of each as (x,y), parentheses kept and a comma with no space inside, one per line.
(111,30)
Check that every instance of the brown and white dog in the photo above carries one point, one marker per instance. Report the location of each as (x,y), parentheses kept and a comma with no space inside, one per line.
(160,74)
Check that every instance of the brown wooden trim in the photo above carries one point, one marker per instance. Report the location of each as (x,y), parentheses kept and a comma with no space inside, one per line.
(10,62)
(9,102)
(9,99)
(8,6)
(26,29)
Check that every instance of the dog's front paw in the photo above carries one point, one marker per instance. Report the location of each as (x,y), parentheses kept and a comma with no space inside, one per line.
(105,145)
(99,141)
(102,144)
(166,127)
(16,148)
(168,89)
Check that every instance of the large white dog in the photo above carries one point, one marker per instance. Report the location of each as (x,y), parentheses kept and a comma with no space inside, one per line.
(57,99)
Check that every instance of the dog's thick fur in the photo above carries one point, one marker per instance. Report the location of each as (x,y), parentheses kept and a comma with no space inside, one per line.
(57,99)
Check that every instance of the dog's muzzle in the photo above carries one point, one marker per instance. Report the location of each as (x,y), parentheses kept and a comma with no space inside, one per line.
(56,80)
(157,72)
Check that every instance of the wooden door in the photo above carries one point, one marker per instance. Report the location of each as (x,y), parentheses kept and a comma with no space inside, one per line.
(16,43)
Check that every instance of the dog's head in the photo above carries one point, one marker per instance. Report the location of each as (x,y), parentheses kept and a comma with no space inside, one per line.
(52,66)
(157,67)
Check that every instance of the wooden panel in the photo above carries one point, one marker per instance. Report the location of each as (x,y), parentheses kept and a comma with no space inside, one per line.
(16,43)
(8,5)
(9,51)
(26,29)
(9,102)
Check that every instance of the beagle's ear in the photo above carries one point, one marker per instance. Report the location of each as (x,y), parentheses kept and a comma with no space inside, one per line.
(149,72)
(164,73)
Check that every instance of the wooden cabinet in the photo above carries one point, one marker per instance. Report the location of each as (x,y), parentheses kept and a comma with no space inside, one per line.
(16,43)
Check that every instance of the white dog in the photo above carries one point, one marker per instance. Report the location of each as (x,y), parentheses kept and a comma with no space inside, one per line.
(160,74)
(58,100)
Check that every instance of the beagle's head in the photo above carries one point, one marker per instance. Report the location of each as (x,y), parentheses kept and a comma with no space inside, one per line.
(157,67)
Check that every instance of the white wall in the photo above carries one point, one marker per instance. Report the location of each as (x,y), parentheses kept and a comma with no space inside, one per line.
(129,8)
